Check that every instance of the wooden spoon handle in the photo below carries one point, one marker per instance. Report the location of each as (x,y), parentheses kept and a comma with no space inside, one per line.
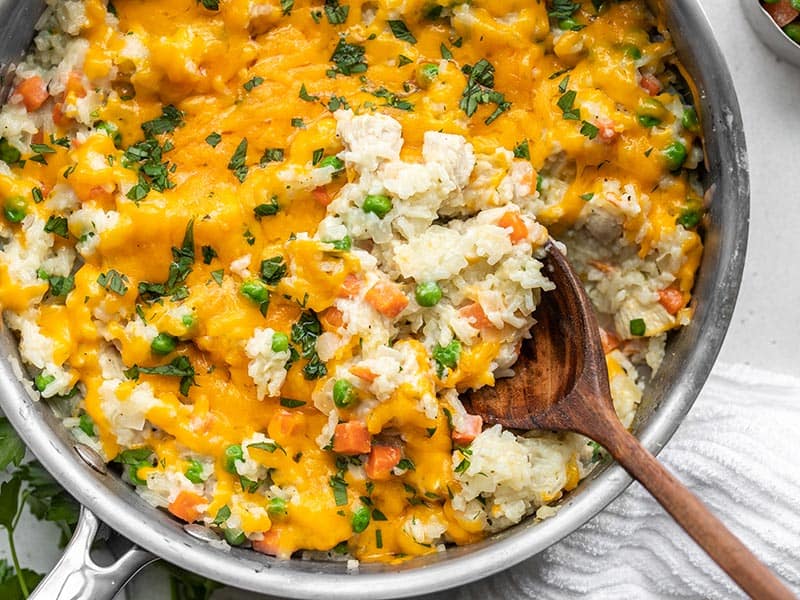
(691,514)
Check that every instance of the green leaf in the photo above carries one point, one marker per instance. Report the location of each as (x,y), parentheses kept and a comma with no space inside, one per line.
(401,32)
(12,449)
(9,502)
(10,588)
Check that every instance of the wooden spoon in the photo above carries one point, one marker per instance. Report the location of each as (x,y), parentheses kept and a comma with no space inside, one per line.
(561,384)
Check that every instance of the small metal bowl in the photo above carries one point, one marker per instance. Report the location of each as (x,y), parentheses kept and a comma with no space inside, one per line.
(771,35)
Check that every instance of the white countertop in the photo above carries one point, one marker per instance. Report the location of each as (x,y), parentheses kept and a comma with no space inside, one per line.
(767,316)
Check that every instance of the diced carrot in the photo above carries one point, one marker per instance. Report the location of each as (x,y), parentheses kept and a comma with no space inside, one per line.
(608,340)
(286,424)
(269,544)
(351,438)
(601,266)
(608,130)
(58,115)
(33,92)
(363,373)
(475,315)
(387,298)
(381,461)
(650,84)
(185,506)
(519,231)
(671,299)
(321,195)
(331,318)
(75,85)
(781,12)
(468,430)
(351,285)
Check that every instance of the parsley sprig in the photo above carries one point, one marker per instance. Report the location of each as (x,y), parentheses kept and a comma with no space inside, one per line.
(179,269)
(480,90)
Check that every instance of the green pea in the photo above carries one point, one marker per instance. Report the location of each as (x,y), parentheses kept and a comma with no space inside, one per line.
(194,472)
(232,454)
(344,394)
(569,24)
(428,293)
(447,356)
(235,537)
(689,119)
(277,506)
(280,342)
(15,208)
(112,131)
(675,155)
(632,51)
(133,472)
(638,327)
(189,321)
(332,161)
(793,30)
(377,204)
(86,425)
(360,520)
(255,291)
(427,74)
(163,343)
(42,380)
(689,218)
(648,121)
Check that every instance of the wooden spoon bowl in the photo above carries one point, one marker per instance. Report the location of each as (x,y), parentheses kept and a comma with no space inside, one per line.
(561,384)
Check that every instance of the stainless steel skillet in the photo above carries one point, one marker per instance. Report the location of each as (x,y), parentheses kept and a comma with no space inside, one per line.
(690,355)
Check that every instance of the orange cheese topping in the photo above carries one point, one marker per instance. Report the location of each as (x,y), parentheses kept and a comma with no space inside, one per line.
(236,74)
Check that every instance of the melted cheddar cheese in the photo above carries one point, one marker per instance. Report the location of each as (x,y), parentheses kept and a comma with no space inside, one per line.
(234,101)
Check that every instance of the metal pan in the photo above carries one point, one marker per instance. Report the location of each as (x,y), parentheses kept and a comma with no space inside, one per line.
(690,355)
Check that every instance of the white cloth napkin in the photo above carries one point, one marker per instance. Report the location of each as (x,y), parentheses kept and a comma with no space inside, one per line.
(738,451)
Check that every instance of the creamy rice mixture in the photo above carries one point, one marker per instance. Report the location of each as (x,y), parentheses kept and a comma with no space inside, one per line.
(254,251)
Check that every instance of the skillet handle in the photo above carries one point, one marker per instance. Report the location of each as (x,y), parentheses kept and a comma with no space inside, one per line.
(77,577)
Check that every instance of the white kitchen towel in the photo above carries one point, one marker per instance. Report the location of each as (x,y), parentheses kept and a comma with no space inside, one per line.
(738,451)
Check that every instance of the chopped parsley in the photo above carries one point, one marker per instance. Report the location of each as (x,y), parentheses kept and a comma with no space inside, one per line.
(446,54)
(38,197)
(317,155)
(273,270)
(392,99)
(522,150)
(267,209)
(480,90)
(179,269)
(209,254)
(298,122)
(60,286)
(587,196)
(337,102)
(401,32)
(566,102)
(237,162)
(253,83)
(287,6)
(304,95)
(348,59)
(218,275)
(57,225)
(209,4)
(292,403)
(589,130)
(267,446)
(180,366)
(403,60)
(113,281)
(339,486)
(336,13)
(171,118)
(563,9)
(271,155)
(305,333)
(153,173)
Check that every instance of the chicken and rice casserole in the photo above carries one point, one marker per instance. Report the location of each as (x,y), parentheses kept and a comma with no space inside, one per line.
(254,250)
